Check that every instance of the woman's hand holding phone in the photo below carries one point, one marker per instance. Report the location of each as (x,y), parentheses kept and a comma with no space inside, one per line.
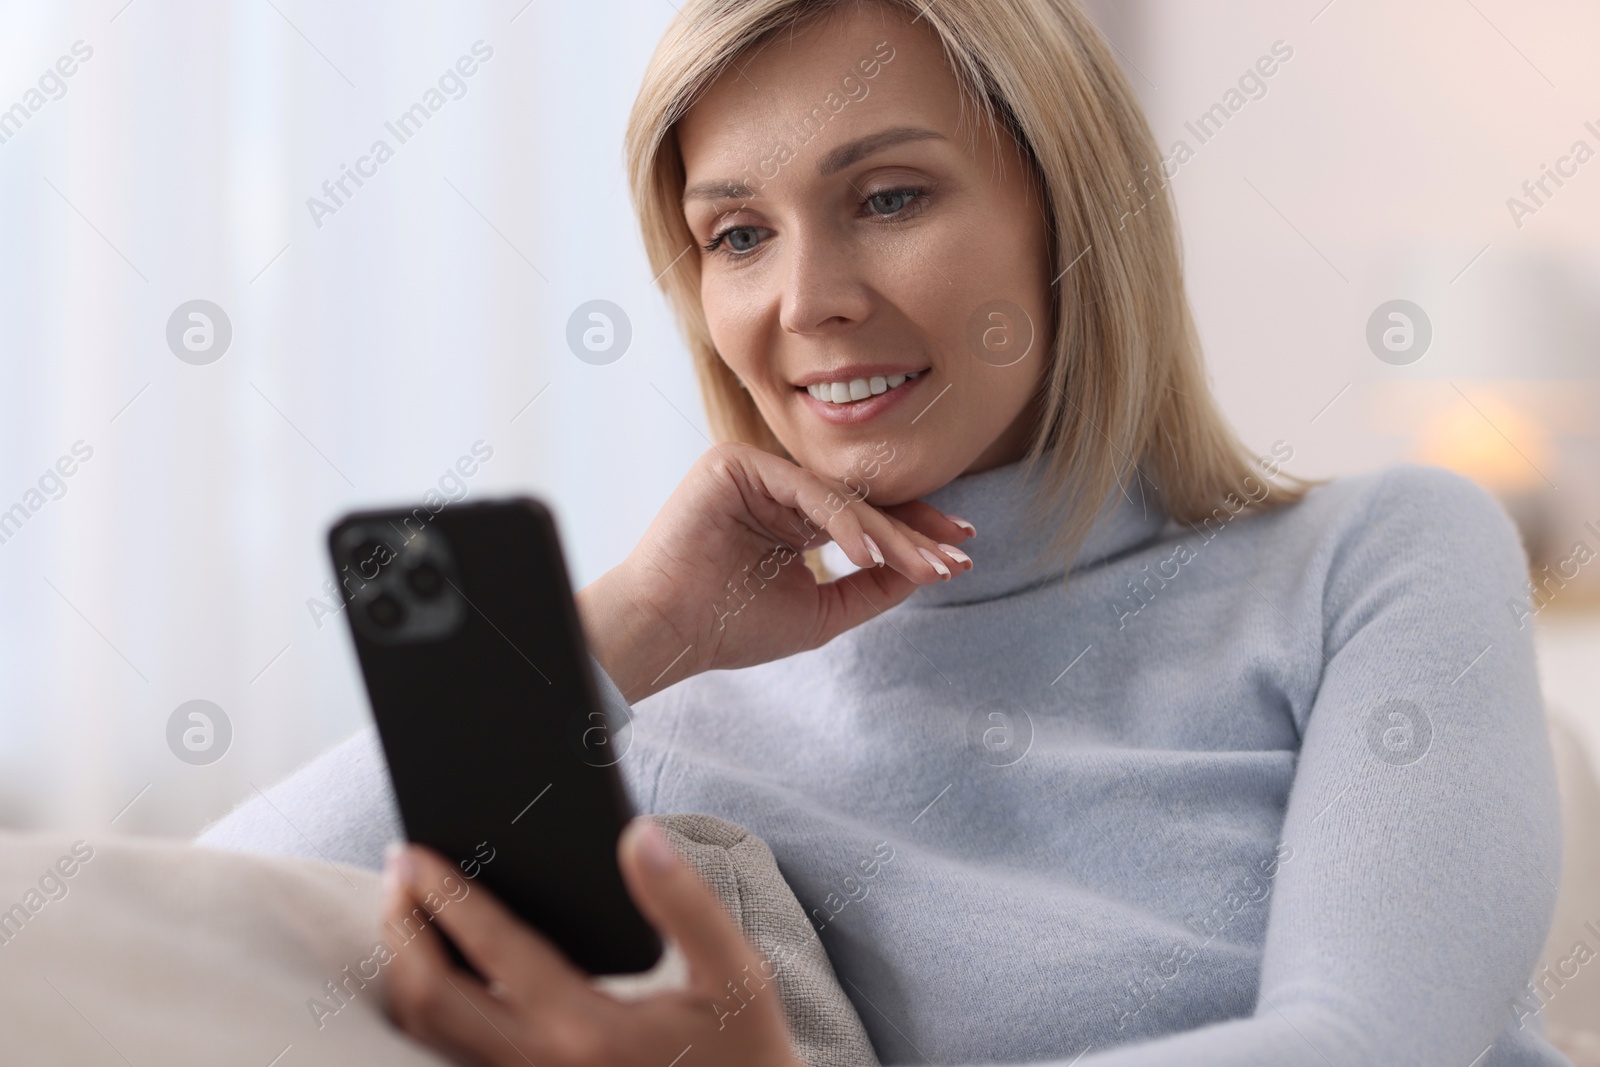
(718,581)
(538,1008)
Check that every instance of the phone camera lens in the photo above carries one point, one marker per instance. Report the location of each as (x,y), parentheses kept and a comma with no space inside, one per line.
(425,580)
(386,611)
(369,557)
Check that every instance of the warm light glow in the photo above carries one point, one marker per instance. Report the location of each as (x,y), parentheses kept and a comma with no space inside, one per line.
(1490,441)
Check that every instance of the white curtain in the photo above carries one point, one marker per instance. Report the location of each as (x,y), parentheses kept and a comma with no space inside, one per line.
(373,345)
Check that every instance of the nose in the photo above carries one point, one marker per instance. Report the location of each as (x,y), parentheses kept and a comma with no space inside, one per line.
(824,283)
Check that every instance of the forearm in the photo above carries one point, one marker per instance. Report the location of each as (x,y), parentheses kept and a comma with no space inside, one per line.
(339,807)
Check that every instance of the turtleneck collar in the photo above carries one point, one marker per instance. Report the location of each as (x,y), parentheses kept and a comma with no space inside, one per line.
(1011,551)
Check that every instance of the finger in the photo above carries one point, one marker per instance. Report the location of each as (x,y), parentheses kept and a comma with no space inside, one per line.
(824,509)
(930,535)
(912,552)
(855,525)
(931,522)
(683,908)
(499,945)
(853,599)
(428,996)
(450,1012)
(867,537)
(408,924)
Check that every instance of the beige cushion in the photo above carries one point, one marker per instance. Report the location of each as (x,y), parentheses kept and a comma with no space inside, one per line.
(147,951)
(823,1024)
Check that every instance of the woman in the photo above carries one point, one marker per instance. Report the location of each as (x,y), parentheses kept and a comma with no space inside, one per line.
(1178,765)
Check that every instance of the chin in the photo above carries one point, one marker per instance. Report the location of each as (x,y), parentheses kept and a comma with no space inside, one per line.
(891,471)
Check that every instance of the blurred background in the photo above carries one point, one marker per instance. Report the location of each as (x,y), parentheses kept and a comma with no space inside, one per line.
(227,340)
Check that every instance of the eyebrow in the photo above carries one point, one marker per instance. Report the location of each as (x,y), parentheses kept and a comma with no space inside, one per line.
(717,189)
(862,147)
(833,162)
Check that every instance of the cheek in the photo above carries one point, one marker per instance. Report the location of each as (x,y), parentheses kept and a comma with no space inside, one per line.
(990,253)
(960,278)
(733,319)
(999,259)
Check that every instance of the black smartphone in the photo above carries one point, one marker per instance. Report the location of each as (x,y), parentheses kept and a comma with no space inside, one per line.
(501,756)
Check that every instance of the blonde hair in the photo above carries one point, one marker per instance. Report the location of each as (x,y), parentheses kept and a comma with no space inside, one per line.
(1125,401)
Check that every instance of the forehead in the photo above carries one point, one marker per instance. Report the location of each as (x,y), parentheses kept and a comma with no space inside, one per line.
(851,71)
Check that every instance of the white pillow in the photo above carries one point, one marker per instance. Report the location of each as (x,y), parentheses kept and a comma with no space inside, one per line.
(145,951)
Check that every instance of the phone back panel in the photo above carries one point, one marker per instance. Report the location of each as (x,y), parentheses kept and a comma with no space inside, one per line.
(479,681)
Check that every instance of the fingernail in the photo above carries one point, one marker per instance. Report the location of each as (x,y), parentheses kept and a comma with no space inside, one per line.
(938,564)
(398,870)
(972,531)
(956,554)
(654,850)
(872,549)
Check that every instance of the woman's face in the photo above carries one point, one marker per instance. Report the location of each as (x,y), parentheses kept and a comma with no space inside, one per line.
(853,234)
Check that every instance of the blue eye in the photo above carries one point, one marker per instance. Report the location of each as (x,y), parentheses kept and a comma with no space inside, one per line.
(892,201)
(740,240)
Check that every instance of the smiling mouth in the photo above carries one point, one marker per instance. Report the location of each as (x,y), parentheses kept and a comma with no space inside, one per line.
(858,389)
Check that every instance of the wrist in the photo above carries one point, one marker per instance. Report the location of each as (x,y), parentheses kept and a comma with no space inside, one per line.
(631,642)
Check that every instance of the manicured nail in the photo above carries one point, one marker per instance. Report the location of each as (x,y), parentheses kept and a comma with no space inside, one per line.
(938,564)
(653,848)
(872,549)
(972,531)
(398,869)
(956,554)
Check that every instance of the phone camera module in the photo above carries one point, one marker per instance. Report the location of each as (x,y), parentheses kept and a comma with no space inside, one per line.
(398,580)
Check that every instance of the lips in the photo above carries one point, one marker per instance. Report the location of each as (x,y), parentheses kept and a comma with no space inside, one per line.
(864,393)
(853,390)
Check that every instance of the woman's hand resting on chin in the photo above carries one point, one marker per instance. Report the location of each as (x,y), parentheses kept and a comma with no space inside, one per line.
(538,1008)
(718,580)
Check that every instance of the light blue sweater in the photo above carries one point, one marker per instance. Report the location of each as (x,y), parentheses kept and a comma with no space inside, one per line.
(1271,791)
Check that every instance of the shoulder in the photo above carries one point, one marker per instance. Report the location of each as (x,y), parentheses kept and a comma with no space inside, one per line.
(1414,491)
(1391,514)
(1409,539)
(1403,511)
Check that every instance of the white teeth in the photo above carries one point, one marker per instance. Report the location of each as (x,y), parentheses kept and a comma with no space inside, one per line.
(858,388)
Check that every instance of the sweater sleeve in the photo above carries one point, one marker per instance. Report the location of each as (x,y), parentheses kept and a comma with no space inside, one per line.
(1423,820)
(339,807)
